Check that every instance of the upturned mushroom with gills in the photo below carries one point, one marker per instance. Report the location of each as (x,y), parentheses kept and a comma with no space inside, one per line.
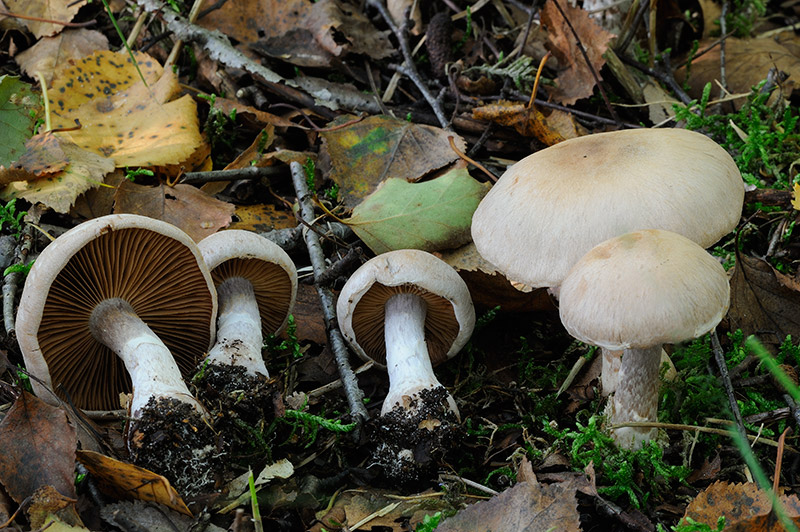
(407,311)
(125,304)
(634,293)
(547,210)
(256,285)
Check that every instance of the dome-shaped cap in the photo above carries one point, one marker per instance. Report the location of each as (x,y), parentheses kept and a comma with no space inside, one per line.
(553,206)
(238,253)
(152,265)
(450,315)
(643,289)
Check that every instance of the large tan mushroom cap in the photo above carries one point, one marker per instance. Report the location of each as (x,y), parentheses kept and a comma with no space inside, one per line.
(450,317)
(551,207)
(643,289)
(152,265)
(237,253)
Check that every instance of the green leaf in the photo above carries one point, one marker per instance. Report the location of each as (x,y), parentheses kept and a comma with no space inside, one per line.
(430,216)
(18,110)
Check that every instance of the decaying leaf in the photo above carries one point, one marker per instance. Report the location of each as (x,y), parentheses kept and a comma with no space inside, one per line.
(43,18)
(575,80)
(148,516)
(38,449)
(430,216)
(763,300)
(747,63)
(262,218)
(556,127)
(184,206)
(526,506)
(120,117)
(745,507)
(19,107)
(127,481)
(47,55)
(489,288)
(364,154)
(49,506)
(85,170)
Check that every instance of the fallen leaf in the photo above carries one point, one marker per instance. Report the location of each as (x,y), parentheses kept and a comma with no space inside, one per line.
(119,116)
(41,13)
(575,79)
(192,210)
(149,516)
(308,315)
(49,506)
(84,171)
(526,506)
(19,107)
(262,218)
(44,155)
(262,118)
(489,288)
(530,122)
(746,508)
(47,55)
(127,481)
(747,62)
(364,154)
(38,449)
(796,196)
(763,300)
(433,215)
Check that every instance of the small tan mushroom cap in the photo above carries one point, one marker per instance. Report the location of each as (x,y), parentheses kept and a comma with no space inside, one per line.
(152,265)
(643,289)
(450,317)
(553,206)
(237,253)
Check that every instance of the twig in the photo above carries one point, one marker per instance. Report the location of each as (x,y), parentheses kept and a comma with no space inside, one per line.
(596,77)
(340,267)
(250,172)
(662,76)
(352,391)
(470,483)
(13,279)
(469,160)
(719,356)
(410,70)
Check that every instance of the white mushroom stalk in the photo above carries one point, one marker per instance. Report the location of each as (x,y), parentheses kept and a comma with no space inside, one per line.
(407,359)
(151,367)
(636,397)
(239,336)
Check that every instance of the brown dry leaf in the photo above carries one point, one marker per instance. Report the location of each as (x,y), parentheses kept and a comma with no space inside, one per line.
(44,10)
(308,315)
(59,191)
(763,301)
(746,508)
(47,55)
(120,117)
(262,218)
(98,201)
(38,449)
(524,507)
(300,32)
(262,118)
(47,504)
(556,127)
(363,155)
(43,156)
(148,516)
(575,79)
(184,206)
(707,471)
(747,62)
(126,481)
(490,288)
(387,513)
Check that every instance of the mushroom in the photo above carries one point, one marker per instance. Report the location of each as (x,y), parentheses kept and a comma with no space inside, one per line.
(550,208)
(117,304)
(636,292)
(256,287)
(407,311)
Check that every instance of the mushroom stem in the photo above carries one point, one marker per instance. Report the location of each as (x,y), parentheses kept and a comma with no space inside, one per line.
(609,374)
(150,364)
(239,336)
(407,360)
(636,398)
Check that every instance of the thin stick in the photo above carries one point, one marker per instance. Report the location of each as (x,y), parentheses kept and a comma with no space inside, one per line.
(410,69)
(471,161)
(13,279)
(354,394)
(719,356)
(250,172)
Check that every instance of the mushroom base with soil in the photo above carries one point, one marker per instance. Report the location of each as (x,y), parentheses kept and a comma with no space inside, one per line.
(170,437)
(235,395)
(411,442)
